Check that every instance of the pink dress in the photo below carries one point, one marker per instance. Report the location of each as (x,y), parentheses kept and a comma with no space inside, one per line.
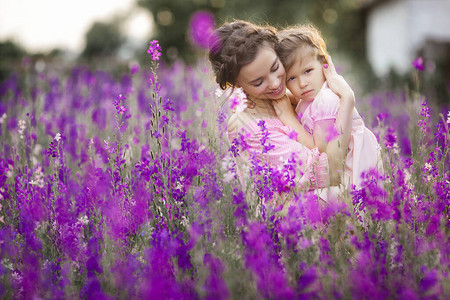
(364,150)
(312,164)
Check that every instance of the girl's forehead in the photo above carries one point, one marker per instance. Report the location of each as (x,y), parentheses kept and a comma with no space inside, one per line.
(303,55)
(305,51)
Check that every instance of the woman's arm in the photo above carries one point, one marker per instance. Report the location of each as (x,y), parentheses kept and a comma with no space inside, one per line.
(337,148)
(324,131)
(286,113)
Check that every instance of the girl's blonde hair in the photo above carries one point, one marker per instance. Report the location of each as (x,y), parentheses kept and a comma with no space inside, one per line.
(292,38)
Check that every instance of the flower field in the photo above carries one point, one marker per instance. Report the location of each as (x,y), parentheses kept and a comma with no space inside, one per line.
(125,186)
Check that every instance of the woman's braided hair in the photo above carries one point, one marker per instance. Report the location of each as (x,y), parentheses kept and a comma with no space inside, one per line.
(236,44)
(293,38)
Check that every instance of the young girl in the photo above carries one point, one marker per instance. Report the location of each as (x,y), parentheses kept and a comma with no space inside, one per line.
(303,52)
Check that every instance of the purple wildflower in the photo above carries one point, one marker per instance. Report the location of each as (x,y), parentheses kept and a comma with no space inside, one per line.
(390,138)
(265,137)
(154,50)
(120,108)
(168,105)
(215,286)
(418,63)
(261,259)
(201,28)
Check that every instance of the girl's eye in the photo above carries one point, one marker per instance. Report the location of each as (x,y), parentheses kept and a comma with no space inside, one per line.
(291,78)
(308,71)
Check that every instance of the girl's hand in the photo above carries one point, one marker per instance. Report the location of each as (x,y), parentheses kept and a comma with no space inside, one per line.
(336,82)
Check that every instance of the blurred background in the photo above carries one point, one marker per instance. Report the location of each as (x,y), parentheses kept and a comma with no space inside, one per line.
(373,42)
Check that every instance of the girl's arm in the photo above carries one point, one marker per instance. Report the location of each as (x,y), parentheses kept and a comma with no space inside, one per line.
(337,148)
(286,113)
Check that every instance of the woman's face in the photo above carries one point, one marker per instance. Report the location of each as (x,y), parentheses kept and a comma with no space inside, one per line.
(264,77)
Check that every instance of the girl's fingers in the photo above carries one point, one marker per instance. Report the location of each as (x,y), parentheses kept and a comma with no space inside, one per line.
(249,103)
(329,67)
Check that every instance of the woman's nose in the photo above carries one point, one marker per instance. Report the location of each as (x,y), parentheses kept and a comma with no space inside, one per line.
(274,82)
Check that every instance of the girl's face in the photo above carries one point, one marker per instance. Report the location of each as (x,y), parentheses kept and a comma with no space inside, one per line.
(264,77)
(305,78)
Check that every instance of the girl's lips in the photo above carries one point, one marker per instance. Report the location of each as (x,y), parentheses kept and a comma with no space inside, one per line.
(277,91)
(307,92)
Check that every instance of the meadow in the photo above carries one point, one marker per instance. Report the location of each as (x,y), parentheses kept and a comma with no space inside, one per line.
(125,186)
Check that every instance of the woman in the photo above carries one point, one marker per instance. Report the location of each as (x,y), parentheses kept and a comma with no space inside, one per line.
(243,56)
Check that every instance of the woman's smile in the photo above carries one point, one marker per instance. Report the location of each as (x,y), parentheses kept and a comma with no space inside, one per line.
(278,91)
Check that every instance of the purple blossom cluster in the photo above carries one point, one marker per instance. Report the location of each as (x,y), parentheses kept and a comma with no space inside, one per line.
(154,50)
(138,197)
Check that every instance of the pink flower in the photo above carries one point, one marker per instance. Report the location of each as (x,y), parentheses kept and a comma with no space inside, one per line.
(333,133)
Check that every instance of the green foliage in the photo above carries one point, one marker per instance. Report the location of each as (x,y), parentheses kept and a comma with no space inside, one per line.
(341,21)
(102,39)
(10,54)
(172,22)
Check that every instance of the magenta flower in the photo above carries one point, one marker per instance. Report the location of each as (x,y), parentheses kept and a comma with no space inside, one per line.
(418,63)
(154,50)
(201,28)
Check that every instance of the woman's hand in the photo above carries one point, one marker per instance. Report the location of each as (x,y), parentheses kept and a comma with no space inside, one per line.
(336,82)
(286,113)
(283,107)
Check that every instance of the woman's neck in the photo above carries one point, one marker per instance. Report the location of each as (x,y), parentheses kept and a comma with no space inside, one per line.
(262,107)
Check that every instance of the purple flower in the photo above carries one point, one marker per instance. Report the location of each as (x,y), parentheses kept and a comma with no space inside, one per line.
(168,105)
(215,286)
(418,63)
(262,260)
(201,28)
(293,135)
(390,139)
(154,50)
(118,105)
(265,137)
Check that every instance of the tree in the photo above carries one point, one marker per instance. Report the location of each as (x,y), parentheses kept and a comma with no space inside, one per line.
(10,55)
(339,20)
(102,39)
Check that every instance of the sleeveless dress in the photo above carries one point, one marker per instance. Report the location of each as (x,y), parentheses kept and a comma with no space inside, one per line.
(364,150)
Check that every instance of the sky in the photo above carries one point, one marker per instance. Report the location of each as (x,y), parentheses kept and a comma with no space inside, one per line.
(42,25)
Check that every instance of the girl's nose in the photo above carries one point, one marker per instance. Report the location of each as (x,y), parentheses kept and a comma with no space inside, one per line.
(302,83)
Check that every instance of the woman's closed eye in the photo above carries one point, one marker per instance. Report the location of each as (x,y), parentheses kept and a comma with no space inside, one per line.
(276,68)
(258,84)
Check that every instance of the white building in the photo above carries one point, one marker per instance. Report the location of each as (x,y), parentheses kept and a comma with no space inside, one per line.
(400,30)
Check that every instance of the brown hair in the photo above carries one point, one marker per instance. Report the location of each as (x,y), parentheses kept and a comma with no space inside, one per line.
(292,38)
(236,44)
